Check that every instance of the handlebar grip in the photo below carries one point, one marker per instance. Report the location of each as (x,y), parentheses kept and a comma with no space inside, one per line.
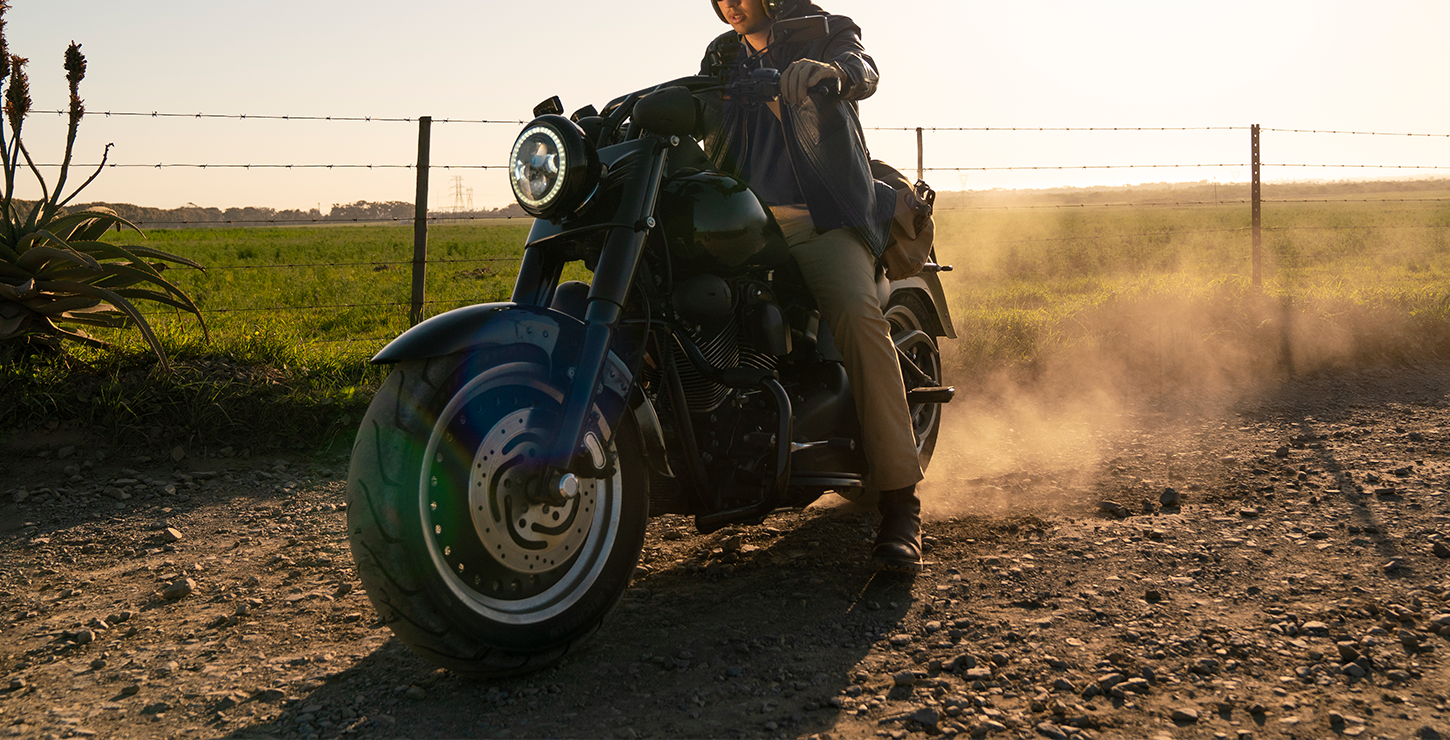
(829,87)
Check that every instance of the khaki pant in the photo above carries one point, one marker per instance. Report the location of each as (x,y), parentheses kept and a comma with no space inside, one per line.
(841,275)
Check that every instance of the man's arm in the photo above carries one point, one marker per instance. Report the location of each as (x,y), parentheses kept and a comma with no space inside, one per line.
(858,70)
(843,58)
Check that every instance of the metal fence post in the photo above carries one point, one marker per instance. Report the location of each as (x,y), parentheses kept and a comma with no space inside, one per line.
(1254,195)
(420,221)
(920,159)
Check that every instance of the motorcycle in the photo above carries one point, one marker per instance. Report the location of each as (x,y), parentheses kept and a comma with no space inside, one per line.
(503,477)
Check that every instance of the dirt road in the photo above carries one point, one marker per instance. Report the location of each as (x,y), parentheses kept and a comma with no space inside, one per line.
(1299,589)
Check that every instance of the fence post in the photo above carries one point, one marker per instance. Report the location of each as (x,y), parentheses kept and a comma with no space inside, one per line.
(920,160)
(1254,195)
(420,221)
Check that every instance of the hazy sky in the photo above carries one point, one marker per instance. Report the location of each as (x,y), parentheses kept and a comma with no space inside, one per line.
(1331,64)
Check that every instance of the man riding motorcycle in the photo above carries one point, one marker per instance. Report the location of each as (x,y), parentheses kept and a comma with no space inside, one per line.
(805,156)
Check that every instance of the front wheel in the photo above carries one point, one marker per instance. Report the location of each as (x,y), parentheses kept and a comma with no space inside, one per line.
(462,555)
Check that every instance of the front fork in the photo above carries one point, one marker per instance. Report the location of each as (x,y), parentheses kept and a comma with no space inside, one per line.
(613,275)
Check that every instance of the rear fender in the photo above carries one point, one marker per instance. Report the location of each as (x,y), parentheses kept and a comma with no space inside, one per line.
(928,285)
(555,335)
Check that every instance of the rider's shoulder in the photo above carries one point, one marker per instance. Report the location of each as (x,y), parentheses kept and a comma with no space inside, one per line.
(841,23)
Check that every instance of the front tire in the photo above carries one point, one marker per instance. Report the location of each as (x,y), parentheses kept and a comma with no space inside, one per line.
(455,552)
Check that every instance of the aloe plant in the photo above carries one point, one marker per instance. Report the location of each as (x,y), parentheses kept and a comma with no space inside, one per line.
(57,276)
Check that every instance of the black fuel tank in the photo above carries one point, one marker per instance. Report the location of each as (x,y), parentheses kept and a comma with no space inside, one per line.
(714,223)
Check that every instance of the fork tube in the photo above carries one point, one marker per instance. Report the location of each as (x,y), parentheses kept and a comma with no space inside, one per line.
(538,277)
(613,275)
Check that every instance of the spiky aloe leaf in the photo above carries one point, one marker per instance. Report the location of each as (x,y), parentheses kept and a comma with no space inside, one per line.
(35,259)
(90,225)
(133,254)
(11,316)
(144,251)
(96,317)
(50,305)
(18,292)
(49,328)
(120,303)
(10,325)
(123,276)
(181,302)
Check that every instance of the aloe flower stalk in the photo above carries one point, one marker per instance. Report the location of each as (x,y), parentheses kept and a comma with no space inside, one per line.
(4,47)
(17,96)
(75,71)
(56,273)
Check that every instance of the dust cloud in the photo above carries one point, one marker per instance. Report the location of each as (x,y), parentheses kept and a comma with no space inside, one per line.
(1033,436)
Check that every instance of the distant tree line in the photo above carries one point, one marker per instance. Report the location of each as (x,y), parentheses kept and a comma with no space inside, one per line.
(363,210)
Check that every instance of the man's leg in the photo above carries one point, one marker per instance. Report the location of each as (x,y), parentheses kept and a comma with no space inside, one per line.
(841,275)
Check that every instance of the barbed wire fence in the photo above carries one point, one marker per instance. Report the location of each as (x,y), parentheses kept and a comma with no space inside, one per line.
(421,216)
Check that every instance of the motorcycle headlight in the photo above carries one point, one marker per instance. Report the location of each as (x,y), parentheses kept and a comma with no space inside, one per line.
(553,168)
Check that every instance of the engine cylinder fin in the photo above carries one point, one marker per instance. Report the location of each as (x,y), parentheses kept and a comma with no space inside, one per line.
(721,350)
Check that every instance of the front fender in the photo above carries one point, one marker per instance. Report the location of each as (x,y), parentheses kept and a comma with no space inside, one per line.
(558,335)
(479,326)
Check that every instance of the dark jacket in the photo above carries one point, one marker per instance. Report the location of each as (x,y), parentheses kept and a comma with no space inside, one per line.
(823,135)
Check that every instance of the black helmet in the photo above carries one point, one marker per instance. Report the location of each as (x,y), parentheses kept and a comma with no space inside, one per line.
(773,8)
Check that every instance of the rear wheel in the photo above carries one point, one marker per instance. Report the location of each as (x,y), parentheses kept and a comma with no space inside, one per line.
(911,329)
(460,549)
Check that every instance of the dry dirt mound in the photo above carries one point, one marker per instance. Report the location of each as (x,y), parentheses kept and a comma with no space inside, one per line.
(1298,589)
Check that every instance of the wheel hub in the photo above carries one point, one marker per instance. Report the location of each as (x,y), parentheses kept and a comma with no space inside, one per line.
(523,530)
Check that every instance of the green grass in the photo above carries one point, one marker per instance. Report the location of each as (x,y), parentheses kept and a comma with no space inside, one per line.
(1100,297)
(343,291)
(287,363)
(1166,292)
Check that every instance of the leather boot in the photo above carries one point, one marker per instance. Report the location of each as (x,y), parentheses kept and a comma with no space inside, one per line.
(898,543)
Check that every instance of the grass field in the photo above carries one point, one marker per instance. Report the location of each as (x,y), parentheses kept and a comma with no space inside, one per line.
(1043,290)
(339,285)
(1172,285)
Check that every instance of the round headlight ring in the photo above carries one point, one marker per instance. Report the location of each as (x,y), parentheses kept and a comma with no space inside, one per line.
(553,168)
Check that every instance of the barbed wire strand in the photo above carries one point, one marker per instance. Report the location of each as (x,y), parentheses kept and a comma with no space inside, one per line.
(1081,167)
(453,302)
(352,340)
(1090,237)
(1180,203)
(249,166)
(330,220)
(249,117)
(1058,128)
(349,264)
(1372,227)
(1187,166)
(1047,206)
(1239,229)
(303,308)
(520,122)
(403,220)
(274,166)
(1364,166)
(1355,133)
(1355,200)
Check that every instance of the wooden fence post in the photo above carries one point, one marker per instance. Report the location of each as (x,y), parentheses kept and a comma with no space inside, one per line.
(420,221)
(920,158)
(1254,195)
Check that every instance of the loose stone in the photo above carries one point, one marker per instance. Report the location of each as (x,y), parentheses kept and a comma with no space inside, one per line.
(1187,715)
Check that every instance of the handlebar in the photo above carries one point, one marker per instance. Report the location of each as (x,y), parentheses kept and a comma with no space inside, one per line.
(760,85)
(764,83)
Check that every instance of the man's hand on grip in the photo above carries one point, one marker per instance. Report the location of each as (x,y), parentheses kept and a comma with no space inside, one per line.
(797,79)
